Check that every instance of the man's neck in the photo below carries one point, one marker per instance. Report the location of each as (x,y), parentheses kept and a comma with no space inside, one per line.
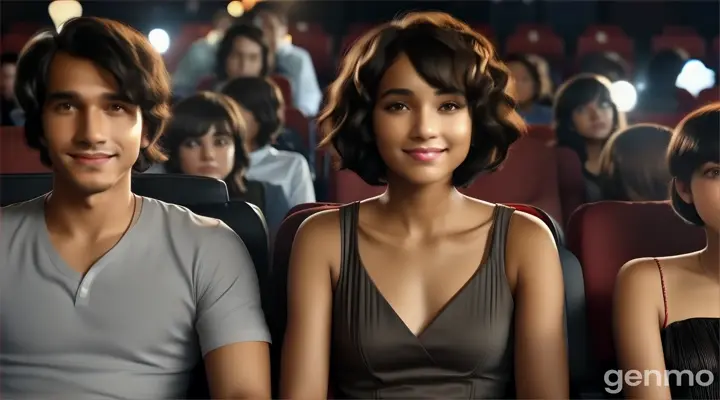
(68,212)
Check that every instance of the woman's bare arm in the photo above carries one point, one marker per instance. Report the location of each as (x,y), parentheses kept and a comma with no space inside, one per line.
(636,314)
(541,364)
(306,350)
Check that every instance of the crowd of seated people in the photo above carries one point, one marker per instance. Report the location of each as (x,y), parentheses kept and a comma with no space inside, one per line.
(424,110)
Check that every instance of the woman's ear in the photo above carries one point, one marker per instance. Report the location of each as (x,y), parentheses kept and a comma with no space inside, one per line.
(683,190)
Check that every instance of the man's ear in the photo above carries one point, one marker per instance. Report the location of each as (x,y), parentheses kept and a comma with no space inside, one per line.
(683,190)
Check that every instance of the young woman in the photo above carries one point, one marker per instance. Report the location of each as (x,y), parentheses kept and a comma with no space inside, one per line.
(667,310)
(584,118)
(205,137)
(633,166)
(423,292)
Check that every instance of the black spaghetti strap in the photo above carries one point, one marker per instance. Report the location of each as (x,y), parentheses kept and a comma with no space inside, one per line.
(664,292)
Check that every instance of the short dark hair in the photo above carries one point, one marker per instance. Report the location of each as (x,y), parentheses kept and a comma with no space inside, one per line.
(576,92)
(633,159)
(447,54)
(8,58)
(260,97)
(608,64)
(138,69)
(242,29)
(695,142)
(193,117)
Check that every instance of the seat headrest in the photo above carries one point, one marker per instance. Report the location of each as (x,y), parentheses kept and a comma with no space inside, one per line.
(179,189)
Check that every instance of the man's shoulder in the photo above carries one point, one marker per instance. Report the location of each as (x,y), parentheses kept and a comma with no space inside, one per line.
(181,220)
(14,214)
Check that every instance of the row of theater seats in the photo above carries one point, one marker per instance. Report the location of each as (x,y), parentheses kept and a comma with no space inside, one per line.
(599,239)
(555,185)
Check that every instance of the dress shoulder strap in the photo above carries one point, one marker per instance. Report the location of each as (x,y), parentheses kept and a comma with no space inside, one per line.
(664,291)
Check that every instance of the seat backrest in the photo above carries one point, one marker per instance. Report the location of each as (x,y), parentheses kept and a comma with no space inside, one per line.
(16,157)
(305,206)
(542,132)
(248,222)
(346,187)
(571,182)
(529,176)
(284,85)
(184,190)
(606,235)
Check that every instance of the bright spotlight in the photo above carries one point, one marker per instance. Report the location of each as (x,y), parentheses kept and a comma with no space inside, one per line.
(695,77)
(235,9)
(160,40)
(623,95)
(62,10)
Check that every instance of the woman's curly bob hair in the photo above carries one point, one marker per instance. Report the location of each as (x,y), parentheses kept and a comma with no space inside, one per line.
(448,55)
(694,143)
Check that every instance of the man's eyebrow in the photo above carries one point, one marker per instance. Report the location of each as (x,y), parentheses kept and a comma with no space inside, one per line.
(71,95)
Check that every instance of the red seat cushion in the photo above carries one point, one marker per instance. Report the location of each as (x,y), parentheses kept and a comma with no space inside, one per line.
(606,235)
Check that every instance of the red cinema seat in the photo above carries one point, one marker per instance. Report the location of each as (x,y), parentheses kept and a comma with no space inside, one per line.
(542,132)
(320,45)
(296,121)
(571,181)
(529,175)
(708,96)
(606,235)
(693,44)
(15,155)
(606,38)
(346,187)
(285,87)
(538,40)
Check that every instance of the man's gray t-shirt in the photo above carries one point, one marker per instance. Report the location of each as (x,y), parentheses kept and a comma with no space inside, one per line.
(176,286)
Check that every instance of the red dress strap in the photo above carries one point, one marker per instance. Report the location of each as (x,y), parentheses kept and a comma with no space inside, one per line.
(664,291)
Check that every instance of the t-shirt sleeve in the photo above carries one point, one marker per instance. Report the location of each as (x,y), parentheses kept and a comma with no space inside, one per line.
(227,293)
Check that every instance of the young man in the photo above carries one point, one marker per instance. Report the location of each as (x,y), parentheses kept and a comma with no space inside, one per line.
(105,293)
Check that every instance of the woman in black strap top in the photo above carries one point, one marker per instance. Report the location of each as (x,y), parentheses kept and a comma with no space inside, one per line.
(423,292)
(667,310)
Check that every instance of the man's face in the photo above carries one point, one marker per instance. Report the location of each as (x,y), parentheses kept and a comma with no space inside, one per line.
(7,81)
(93,133)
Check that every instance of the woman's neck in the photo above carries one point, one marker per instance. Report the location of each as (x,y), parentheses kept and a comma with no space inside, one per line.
(420,208)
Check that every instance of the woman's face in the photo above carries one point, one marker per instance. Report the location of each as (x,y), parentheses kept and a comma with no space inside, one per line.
(594,121)
(525,87)
(704,194)
(245,59)
(423,134)
(211,155)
